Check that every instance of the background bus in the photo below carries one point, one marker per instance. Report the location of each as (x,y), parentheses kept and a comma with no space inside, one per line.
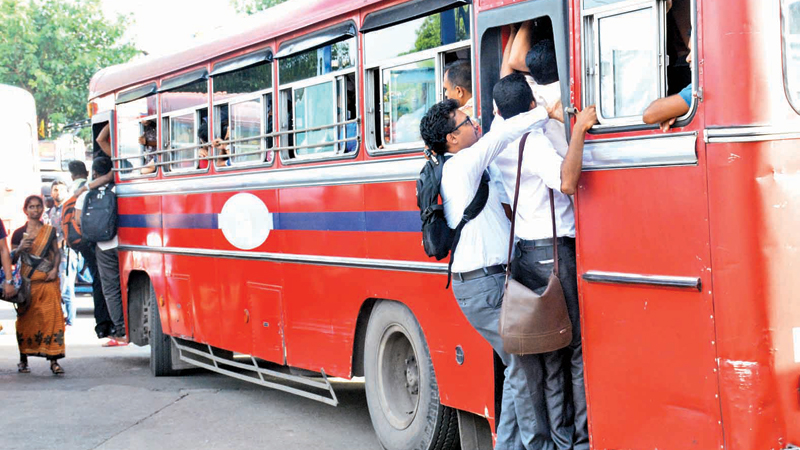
(19,171)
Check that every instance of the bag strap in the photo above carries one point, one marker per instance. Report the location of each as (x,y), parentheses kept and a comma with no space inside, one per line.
(514,213)
(472,210)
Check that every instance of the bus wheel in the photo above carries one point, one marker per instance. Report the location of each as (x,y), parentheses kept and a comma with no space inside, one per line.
(402,393)
(160,343)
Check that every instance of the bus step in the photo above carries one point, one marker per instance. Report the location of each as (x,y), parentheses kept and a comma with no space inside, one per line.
(203,356)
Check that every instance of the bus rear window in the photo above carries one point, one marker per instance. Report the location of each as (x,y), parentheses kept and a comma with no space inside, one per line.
(791,50)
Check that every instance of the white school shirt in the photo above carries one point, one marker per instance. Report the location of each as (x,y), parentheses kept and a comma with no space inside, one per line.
(484,240)
(546,95)
(105,245)
(541,169)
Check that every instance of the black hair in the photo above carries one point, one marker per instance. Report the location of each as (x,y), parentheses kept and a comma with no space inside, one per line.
(78,168)
(541,62)
(437,123)
(101,166)
(31,198)
(55,182)
(513,95)
(202,132)
(460,74)
(223,129)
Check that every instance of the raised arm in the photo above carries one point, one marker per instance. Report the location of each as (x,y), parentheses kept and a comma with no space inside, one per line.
(521,47)
(573,161)
(505,67)
(104,140)
(478,157)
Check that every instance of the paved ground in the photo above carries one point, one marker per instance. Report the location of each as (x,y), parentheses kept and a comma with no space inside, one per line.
(108,400)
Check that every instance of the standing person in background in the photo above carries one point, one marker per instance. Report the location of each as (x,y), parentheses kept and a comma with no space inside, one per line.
(40,330)
(68,268)
(103,323)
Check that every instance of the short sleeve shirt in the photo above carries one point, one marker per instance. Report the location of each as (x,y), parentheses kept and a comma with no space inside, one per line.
(686,94)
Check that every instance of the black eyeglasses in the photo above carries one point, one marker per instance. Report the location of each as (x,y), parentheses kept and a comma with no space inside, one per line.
(467,120)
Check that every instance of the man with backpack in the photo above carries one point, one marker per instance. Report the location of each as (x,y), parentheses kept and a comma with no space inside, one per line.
(98,211)
(478,256)
(71,228)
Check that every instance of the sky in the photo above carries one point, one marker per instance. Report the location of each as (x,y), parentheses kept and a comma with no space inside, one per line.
(164,26)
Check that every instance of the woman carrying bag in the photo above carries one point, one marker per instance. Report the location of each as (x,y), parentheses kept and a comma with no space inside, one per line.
(40,329)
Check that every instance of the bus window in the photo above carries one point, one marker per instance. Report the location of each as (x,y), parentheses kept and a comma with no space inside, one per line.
(181,121)
(137,137)
(315,96)
(791,50)
(634,53)
(404,63)
(243,115)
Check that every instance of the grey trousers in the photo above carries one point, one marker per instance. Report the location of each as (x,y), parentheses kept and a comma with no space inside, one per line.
(523,423)
(108,266)
(563,387)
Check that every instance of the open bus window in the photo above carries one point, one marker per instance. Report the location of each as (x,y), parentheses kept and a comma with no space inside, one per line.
(404,64)
(181,122)
(634,53)
(315,98)
(137,137)
(791,50)
(243,116)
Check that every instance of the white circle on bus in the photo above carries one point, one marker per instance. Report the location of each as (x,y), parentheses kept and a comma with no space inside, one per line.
(245,221)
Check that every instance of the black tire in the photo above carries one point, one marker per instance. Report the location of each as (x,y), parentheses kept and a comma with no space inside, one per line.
(160,343)
(402,394)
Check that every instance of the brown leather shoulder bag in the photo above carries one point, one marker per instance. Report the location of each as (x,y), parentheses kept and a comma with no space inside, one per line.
(532,323)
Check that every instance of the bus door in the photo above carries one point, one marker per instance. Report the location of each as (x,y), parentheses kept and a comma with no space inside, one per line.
(644,264)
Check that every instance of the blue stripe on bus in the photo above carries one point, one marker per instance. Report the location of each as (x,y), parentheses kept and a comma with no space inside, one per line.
(139,221)
(191,221)
(376,221)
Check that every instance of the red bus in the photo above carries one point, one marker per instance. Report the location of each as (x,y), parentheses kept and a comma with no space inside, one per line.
(296,255)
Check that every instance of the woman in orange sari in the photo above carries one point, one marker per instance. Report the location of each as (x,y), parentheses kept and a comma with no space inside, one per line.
(40,329)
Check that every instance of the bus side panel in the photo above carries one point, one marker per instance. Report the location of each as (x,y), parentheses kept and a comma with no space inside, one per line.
(321,303)
(755,208)
(649,351)
(249,305)
(468,386)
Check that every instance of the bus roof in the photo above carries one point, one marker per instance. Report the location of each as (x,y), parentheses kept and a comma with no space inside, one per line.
(18,103)
(275,22)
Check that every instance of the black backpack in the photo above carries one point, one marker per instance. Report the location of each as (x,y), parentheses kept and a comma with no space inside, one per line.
(99,216)
(438,239)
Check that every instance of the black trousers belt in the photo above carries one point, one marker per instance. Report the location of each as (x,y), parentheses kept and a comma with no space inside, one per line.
(484,272)
(547,242)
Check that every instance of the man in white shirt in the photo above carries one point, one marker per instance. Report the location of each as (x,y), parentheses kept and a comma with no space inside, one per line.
(544,169)
(106,253)
(480,257)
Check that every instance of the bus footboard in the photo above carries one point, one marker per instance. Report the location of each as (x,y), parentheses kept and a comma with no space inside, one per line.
(203,356)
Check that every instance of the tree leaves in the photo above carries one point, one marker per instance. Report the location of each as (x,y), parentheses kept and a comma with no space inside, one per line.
(52,48)
(253,6)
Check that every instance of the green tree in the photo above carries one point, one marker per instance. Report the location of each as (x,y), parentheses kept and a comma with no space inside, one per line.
(52,48)
(253,6)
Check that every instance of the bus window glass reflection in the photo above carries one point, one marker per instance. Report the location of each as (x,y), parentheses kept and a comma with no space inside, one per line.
(402,63)
(319,96)
(791,50)
(243,103)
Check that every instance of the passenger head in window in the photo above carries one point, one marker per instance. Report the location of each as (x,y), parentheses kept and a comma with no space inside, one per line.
(220,144)
(202,152)
(458,85)
(149,140)
(665,111)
